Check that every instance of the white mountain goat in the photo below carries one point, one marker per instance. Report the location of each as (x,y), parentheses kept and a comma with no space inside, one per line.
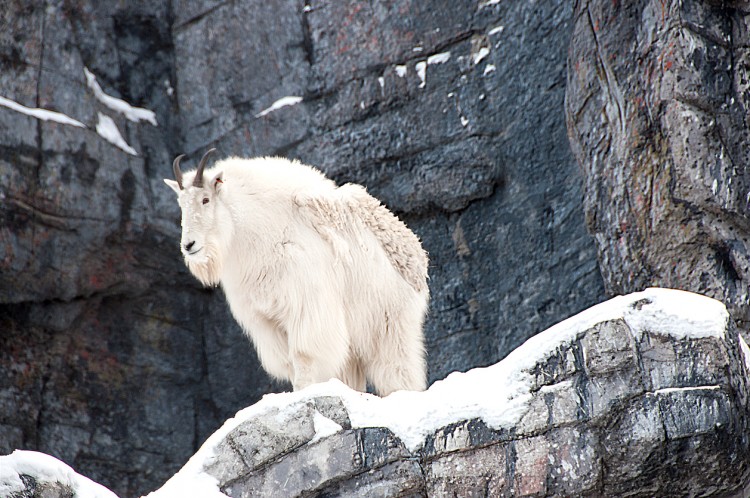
(325,280)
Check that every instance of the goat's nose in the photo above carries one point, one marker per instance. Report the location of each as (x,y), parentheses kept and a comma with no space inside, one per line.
(189,245)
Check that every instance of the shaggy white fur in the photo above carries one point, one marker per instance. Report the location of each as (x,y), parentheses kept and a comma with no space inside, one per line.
(325,280)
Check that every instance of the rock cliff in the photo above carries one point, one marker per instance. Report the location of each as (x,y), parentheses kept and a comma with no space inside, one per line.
(657,111)
(643,395)
(450,112)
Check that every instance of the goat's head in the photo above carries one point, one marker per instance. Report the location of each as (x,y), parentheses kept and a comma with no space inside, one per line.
(201,224)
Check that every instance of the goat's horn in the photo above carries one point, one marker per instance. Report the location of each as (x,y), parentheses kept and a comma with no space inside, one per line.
(198,180)
(176,169)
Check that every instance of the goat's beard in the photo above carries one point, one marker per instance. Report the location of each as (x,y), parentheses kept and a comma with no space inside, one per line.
(208,268)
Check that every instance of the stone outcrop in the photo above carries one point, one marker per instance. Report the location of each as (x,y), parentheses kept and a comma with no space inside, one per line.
(30,474)
(451,112)
(643,395)
(657,111)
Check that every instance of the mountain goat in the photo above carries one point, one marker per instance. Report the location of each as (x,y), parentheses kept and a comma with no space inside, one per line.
(325,280)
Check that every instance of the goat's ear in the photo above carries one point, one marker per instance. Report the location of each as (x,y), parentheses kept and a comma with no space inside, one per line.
(217,182)
(173,185)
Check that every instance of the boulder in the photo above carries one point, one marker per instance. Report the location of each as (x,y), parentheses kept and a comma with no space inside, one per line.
(30,474)
(643,395)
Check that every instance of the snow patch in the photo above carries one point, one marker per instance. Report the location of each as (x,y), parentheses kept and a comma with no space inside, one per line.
(107,129)
(441,58)
(490,68)
(43,114)
(324,426)
(45,469)
(168,88)
(669,390)
(282,102)
(421,68)
(496,30)
(677,313)
(134,114)
(480,54)
(401,71)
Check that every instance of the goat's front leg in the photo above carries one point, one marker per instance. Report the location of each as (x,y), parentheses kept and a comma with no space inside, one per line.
(303,367)
(317,338)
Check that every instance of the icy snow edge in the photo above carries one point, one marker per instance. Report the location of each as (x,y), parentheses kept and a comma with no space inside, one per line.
(46,469)
(43,114)
(134,114)
(412,416)
(282,102)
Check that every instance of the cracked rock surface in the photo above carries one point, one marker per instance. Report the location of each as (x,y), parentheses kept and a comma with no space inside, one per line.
(657,111)
(114,359)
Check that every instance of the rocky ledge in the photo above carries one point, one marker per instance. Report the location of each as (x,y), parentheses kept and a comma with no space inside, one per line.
(643,395)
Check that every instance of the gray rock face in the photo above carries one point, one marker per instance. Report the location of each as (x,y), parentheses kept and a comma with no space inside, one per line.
(116,361)
(657,106)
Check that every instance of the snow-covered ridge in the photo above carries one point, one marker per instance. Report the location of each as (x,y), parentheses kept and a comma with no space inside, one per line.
(45,469)
(413,416)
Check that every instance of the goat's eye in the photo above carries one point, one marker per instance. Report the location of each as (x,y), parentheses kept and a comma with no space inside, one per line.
(205,200)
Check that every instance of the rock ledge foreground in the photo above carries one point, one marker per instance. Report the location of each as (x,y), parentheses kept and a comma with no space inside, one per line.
(643,395)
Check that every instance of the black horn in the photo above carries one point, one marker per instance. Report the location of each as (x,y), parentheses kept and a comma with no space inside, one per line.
(198,180)
(176,169)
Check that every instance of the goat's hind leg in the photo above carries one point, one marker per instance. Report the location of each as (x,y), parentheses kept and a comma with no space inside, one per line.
(399,363)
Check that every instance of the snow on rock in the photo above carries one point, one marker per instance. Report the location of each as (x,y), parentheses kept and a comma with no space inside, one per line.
(324,426)
(108,130)
(620,379)
(415,417)
(440,58)
(487,3)
(45,470)
(43,114)
(421,68)
(282,102)
(496,30)
(479,55)
(134,114)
